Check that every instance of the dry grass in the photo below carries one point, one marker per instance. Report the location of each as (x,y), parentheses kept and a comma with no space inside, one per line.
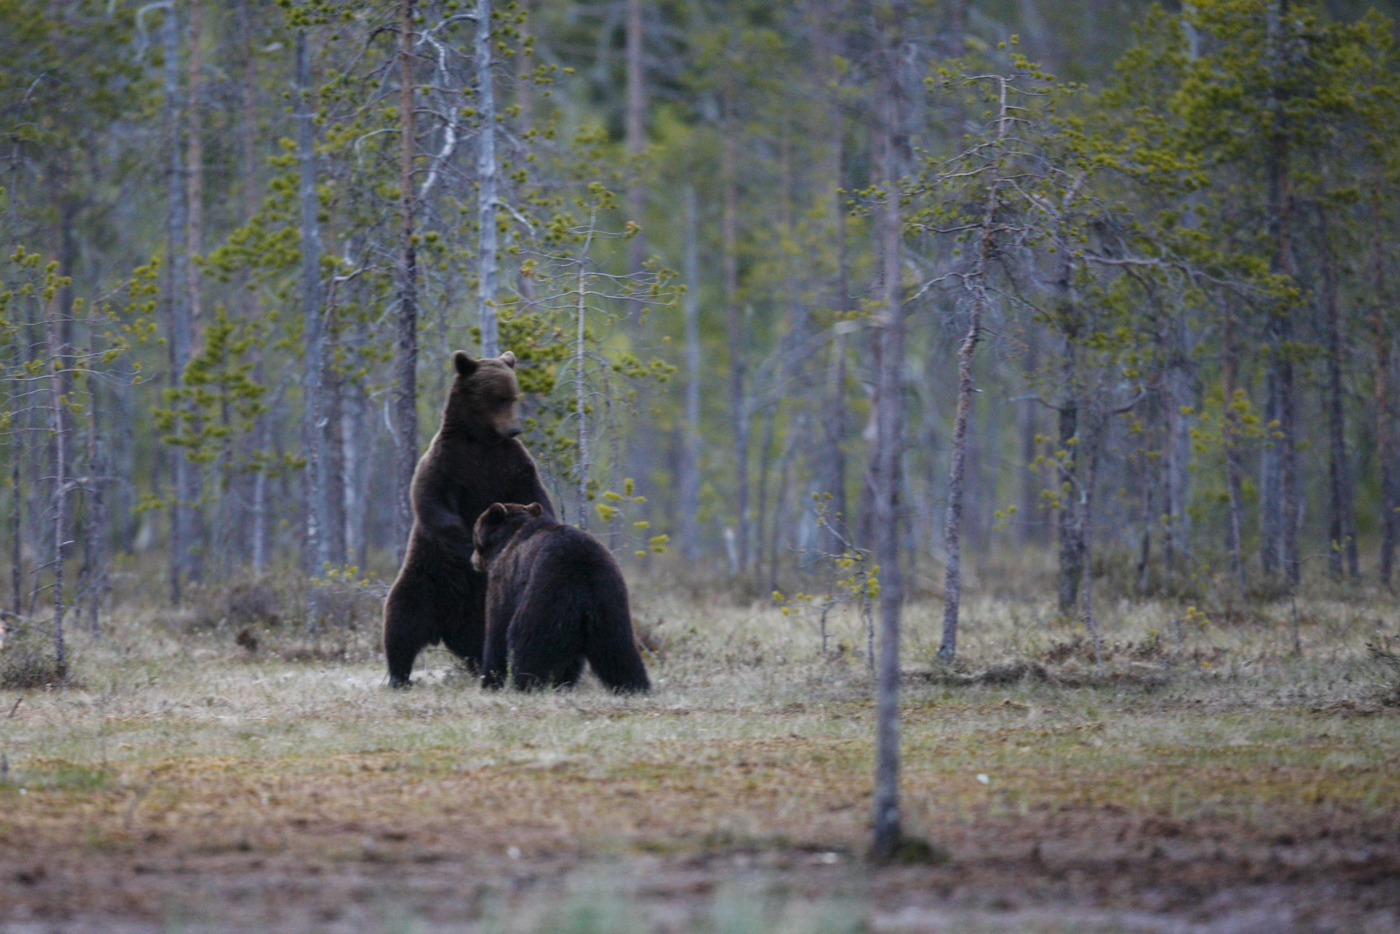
(190,767)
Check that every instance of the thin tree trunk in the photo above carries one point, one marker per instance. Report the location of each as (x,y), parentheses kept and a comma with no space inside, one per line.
(1342,555)
(59,426)
(977,283)
(177,290)
(835,421)
(17,536)
(486,177)
(887,833)
(1385,409)
(738,404)
(1270,508)
(690,458)
(194,246)
(580,381)
(1178,459)
(333,428)
(406,364)
(1149,518)
(248,158)
(635,124)
(1289,493)
(1234,474)
(1031,527)
(314,441)
(1070,530)
(94,580)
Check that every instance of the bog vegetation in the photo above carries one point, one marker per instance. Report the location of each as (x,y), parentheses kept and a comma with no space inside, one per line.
(1042,322)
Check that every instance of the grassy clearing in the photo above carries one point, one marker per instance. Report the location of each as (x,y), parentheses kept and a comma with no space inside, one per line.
(734,798)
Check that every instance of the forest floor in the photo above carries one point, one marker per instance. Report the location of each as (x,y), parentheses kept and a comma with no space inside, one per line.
(1205,779)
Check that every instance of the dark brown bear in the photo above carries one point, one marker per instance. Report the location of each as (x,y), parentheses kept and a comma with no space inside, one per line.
(555,597)
(474,461)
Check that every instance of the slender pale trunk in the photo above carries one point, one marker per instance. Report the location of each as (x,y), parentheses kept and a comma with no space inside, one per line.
(690,457)
(406,362)
(580,380)
(1234,473)
(1031,527)
(313,404)
(635,122)
(193,96)
(1149,516)
(487,182)
(1178,459)
(977,282)
(1070,531)
(94,579)
(1288,504)
(59,530)
(835,421)
(16,527)
(1342,555)
(177,290)
(738,405)
(249,160)
(1086,519)
(1386,451)
(887,833)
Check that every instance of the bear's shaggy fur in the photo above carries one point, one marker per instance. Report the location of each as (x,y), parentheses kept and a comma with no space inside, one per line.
(473,461)
(555,597)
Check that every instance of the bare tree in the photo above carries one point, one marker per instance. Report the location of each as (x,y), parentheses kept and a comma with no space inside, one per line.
(185,479)
(887,832)
(690,450)
(313,381)
(487,182)
(406,350)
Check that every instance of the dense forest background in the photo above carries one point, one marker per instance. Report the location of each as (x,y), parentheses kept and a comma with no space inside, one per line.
(793,287)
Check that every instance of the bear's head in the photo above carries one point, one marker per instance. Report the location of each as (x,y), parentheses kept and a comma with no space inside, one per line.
(484,397)
(496,526)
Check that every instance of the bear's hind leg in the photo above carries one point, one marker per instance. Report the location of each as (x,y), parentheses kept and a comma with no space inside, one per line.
(609,643)
(409,626)
(546,639)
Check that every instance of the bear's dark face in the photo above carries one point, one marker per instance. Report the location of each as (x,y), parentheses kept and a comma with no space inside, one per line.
(484,397)
(496,527)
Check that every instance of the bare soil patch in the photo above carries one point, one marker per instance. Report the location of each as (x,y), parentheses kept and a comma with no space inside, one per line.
(180,790)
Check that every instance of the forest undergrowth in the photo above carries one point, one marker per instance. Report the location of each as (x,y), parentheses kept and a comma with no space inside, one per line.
(224,768)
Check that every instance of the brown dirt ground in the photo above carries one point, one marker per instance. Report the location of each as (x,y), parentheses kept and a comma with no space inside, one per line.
(397,841)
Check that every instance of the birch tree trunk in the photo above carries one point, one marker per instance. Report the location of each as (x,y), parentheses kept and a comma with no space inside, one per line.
(1234,473)
(59,530)
(1070,531)
(635,124)
(738,404)
(261,433)
(887,832)
(406,357)
(690,451)
(486,179)
(1386,449)
(177,291)
(94,581)
(580,381)
(313,381)
(977,283)
(1342,554)
(1032,530)
(1288,504)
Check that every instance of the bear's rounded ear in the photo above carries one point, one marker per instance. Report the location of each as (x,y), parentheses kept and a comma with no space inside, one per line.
(494,513)
(535,509)
(508,359)
(465,365)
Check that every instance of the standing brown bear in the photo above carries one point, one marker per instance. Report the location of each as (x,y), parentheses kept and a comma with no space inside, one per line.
(555,597)
(473,461)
